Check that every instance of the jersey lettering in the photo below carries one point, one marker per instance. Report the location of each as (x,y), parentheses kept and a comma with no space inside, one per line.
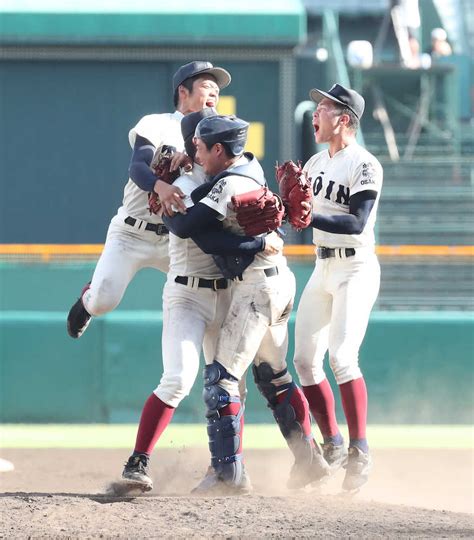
(318,185)
(329,189)
(343,195)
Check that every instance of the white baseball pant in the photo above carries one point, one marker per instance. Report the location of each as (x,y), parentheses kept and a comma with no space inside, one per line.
(192,318)
(256,326)
(126,251)
(333,314)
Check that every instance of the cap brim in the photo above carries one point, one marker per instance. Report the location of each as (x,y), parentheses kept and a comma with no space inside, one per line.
(222,76)
(317,95)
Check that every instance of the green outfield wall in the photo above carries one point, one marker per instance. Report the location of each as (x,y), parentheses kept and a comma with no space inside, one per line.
(418,365)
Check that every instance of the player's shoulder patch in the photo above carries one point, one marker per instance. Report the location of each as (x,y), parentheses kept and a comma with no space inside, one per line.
(217,190)
(368,173)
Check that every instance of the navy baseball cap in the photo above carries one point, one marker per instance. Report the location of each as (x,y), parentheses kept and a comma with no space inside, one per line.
(344,96)
(199,67)
(224,129)
(188,127)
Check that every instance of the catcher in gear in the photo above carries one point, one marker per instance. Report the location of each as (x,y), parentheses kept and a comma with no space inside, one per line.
(256,326)
(196,299)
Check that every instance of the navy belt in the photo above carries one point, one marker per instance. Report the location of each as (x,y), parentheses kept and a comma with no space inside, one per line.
(326,253)
(157,228)
(269,272)
(213,284)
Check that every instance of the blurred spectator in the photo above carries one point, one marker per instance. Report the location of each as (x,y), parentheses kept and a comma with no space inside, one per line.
(406,21)
(405,18)
(439,43)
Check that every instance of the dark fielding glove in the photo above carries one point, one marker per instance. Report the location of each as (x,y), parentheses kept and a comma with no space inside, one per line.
(259,211)
(295,188)
(160,165)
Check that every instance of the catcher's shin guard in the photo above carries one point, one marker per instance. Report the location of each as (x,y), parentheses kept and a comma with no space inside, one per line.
(223,430)
(283,412)
(309,462)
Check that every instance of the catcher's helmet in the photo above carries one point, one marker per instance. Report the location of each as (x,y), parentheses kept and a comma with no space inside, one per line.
(224,129)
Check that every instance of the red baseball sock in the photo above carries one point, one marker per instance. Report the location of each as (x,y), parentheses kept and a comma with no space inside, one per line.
(323,407)
(354,403)
(156,416)
(232,409)
(300,406)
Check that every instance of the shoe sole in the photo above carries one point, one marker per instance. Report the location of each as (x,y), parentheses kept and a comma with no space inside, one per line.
(348,493)
(128,488)
(358,483)
(220,490)
(309,482)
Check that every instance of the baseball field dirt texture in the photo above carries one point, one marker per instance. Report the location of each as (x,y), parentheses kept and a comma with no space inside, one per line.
(59,488)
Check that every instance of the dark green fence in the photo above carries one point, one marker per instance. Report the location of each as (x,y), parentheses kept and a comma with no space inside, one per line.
(418,366)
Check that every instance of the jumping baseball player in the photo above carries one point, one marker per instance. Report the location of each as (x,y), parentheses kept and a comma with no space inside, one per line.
(196,299)
(336,303)
(255,328)
(137,238)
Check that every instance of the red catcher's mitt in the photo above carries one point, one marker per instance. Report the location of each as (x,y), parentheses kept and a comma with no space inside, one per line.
(259,211)
(295,188)
(160,165)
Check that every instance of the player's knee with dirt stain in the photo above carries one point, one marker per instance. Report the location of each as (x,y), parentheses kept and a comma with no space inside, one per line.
(102,298)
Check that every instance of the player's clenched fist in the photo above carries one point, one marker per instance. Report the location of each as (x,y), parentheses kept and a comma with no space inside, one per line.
(165,198)
(273,244)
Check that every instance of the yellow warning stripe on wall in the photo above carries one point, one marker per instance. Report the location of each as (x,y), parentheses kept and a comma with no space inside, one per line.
(293,250)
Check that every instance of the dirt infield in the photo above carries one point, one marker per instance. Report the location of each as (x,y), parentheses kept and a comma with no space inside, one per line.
(60,493)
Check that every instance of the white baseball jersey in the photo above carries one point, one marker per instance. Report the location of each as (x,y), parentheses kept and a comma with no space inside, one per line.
(158,129)
(127,248)
(186,258)
(219,199)
(350,171)
(336,303)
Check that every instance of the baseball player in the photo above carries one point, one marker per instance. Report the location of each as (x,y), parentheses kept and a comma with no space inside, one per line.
(336,303)
(196,299)
(255,328)
(137,238)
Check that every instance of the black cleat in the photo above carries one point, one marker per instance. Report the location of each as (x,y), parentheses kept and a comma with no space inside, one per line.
(357,469)
(335,455)
(135,473)
(213,484)
(78,319)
